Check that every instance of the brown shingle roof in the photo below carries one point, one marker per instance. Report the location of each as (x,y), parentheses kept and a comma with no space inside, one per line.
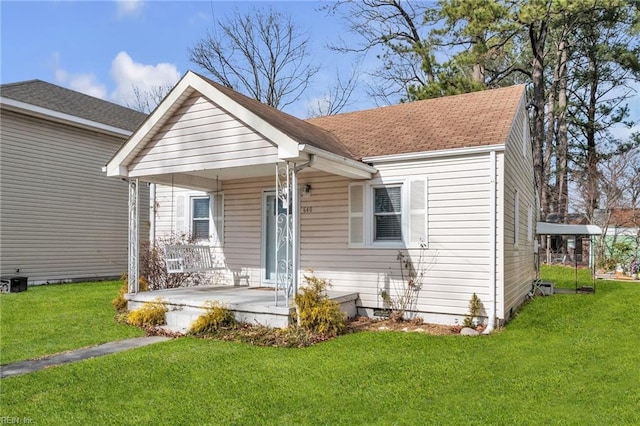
(301,131)
(468,120)
(628,218)
(56,98)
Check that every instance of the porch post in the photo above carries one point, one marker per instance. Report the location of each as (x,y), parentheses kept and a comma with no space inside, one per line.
(286,233)
(295,232)
(134,246)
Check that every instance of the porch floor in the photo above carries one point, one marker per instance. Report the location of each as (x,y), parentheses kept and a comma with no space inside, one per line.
(254,305)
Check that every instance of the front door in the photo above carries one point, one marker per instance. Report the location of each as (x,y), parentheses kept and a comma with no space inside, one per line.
(269,235)
(274,238)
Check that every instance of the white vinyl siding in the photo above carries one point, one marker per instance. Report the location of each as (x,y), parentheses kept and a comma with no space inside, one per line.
(61,218)
(199,136)
(519,265)
(455,233)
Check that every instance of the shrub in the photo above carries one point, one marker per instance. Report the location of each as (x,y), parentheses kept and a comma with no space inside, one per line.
(475,306)
(215,318)
(150,314)
(315,311)
(120,302)
(405,295)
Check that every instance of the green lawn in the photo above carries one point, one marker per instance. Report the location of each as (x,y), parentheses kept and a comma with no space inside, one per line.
(56,318)
(565,359)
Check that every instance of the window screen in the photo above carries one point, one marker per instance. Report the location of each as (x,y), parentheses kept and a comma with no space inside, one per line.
(200,218)
(388,214)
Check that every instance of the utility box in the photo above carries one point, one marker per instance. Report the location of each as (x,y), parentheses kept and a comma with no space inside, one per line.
(547,288)
(13,284)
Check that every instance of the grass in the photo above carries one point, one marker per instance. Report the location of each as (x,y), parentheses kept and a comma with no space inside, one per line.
(56,318)
(566,359)
(565,276)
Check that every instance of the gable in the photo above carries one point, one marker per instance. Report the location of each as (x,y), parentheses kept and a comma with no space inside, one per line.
(201,135)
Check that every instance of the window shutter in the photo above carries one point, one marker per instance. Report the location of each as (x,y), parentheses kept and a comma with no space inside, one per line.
(217,214)
(356,214)
(180,213)
(417,212)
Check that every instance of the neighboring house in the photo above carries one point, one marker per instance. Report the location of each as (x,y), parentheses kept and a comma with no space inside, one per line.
(451,178)
(61,219)
(623,234)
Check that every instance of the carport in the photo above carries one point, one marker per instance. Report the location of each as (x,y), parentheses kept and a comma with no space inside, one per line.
(573,232)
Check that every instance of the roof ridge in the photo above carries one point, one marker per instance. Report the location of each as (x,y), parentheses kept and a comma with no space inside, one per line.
(260,106)
(18,83)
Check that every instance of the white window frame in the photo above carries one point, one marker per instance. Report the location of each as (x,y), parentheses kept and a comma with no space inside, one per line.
(192,219)
(403,214)
(216,223)
(408,211)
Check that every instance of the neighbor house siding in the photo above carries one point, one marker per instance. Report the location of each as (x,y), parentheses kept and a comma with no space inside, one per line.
(519,262)
(198,136)
(61,218)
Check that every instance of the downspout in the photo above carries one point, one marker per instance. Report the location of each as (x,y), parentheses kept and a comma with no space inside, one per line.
(491,317)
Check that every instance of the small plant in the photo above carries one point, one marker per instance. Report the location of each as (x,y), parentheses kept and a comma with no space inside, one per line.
(315,311)
(150,314)
(411,280)
(215,318)
(475,306)
(120,302)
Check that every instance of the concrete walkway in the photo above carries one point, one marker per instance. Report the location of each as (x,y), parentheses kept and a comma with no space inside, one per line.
(24,367)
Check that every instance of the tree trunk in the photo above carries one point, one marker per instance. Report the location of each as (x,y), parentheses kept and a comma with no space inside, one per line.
(562,186)
(538,38)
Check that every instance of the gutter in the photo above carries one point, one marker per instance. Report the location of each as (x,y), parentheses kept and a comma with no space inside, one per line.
(491,315)
(61,117)
(434,154)
(337,158)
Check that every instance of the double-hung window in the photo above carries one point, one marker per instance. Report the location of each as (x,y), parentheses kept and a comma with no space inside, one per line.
(200,218)
(388,216)
(387,213)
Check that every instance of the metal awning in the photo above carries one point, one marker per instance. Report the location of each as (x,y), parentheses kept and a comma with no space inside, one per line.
(545,228)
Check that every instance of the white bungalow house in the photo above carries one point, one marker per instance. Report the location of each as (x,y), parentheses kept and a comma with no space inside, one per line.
(60,219)
(449,178)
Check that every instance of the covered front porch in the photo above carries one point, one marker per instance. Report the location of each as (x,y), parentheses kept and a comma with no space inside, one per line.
(252,305)
(209,139)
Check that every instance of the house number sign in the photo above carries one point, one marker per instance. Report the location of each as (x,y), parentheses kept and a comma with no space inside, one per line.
(306,209)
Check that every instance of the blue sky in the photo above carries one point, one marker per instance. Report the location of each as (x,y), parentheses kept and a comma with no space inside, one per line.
(104,48)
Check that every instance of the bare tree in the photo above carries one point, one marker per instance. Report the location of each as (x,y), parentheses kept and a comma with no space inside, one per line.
(395,31)
(147,100)
(618,186)
(336,98)
(260,53)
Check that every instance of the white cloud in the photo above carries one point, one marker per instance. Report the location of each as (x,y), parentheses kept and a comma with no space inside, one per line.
(128,8)
(128,74)
(83,82)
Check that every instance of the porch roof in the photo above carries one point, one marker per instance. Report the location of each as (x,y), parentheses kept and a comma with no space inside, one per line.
(295,139)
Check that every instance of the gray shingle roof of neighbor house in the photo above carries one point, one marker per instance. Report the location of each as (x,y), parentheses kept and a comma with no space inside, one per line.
(56,98)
